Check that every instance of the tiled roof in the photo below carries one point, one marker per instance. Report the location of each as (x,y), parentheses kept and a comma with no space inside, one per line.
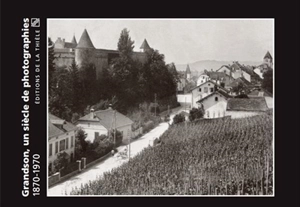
(216,92)
(268,55)
(106,118)
(220,87)
(85,41)
(240,80)
(216,75)
(145,45)
(58,126)
(247,104)
(74,40)
(70,45)
(257,92)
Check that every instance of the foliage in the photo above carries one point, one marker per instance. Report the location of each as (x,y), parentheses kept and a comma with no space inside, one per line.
(267,82)
(116,136)
(125,44)
(178,118)
(102,145)
(196,113)
(239,88)
(211,157)
(61,161)
(80,144)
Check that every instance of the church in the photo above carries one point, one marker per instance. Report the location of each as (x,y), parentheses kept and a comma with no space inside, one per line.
(84,50)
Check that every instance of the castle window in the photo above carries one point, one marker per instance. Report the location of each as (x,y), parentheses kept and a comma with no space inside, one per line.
(211,89)
(207,114)
(216,98)
(205,89)
(199,89)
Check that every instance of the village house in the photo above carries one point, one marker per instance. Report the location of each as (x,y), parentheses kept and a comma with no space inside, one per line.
(221,78)
(245,107)
(214,104)
(61,138)
(266,65)
(203,90)
(236,70)
(101,122)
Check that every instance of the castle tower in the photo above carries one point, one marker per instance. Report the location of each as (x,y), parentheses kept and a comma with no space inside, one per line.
(268,59)
(74,40)
(188,72)
(145,46)
(85,50)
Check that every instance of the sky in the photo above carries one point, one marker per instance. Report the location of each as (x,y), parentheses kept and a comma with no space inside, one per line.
(182,41)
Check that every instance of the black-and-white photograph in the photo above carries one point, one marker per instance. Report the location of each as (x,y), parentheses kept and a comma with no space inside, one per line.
(160,107)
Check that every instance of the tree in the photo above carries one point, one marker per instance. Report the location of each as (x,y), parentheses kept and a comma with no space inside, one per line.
(80,144)
(61,161)
(178,118)
(77,102)
(196,113)
(51,66)
(89,83)
(267,82)
(125,44)
(119,137)
(124,74)
(103,144)
(239,88)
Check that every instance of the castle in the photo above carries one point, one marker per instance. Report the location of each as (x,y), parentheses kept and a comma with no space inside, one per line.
(84,51)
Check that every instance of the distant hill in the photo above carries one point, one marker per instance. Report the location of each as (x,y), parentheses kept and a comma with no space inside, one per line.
(211,64)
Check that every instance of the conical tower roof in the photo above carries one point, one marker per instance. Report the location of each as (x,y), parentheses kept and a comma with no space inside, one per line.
(188,70)
(145,45)
(74,40)
(85,41)
(268,55)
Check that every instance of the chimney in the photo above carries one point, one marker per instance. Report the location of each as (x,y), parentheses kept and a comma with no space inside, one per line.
(63,40)
(92,113)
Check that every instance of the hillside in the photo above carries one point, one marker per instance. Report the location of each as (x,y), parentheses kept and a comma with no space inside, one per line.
(211,64)
(211,157)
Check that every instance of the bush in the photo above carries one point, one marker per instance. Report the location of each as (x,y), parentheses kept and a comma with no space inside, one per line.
(148,126)
(196,114)
(61,161)
(178,118)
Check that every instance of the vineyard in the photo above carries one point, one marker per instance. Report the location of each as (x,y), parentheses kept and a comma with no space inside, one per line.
(208,157)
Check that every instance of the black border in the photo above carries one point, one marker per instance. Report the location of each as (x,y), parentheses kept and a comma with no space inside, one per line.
(286,101)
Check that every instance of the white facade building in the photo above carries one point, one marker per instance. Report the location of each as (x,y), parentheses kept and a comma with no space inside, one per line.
(61,139)
(102,121)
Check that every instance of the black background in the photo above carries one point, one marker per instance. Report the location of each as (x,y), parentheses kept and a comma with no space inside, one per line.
(286,103)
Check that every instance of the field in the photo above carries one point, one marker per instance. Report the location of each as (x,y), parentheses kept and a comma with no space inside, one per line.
(210,157)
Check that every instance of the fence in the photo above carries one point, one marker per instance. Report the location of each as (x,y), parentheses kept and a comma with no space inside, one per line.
(77,167)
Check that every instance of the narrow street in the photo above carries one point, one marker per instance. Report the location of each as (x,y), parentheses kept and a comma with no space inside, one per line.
(112,162)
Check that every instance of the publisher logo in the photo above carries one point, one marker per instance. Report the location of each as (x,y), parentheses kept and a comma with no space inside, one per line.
(35,22)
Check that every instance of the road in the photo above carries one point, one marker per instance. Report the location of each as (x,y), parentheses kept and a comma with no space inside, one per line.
(112,162)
